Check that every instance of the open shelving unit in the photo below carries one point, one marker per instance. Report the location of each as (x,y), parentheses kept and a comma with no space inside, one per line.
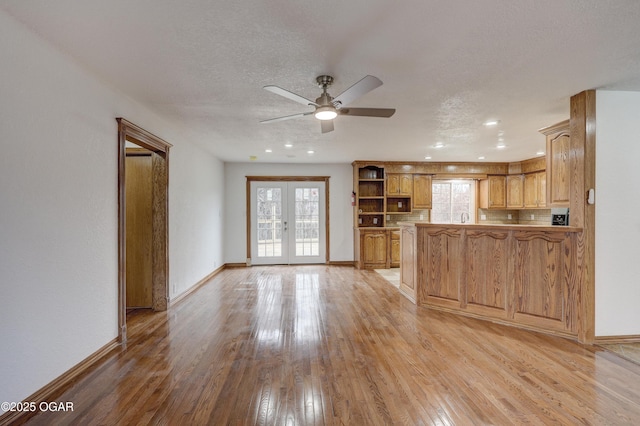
(370,203)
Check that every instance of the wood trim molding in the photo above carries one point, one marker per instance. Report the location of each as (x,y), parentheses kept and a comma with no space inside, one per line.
(550,130)
(55,388)
(324,179)
(608,340)
(341,263)
(196,286)
(142,137)
(160,256)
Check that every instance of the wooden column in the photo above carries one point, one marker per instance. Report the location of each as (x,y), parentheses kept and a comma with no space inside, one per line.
(582,159)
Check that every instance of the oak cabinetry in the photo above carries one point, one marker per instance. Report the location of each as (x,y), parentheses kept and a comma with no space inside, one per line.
(422,192)
(394,249)
(509,273)
(373,249)
(399,191)
(370,197)
(535,190)
(400,184)
(493,192)
(442,272)
(408,265)
(515,192)
(558,170)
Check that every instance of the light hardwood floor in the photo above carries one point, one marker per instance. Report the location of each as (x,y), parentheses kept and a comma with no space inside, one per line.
(331,345)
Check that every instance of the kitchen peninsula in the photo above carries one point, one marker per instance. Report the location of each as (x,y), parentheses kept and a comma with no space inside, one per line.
(522,275)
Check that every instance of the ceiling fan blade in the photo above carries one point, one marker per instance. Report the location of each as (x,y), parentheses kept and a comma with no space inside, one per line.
(287,117)
(368,112)
(289,95)
(326,126)
(363,86)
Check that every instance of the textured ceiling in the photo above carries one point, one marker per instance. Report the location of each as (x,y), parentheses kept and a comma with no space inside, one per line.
(446,67)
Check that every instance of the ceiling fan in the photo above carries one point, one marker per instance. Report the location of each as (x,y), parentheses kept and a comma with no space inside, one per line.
(327,107)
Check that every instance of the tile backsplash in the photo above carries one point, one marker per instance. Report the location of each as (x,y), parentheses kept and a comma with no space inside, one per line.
(414,216)
(523,217)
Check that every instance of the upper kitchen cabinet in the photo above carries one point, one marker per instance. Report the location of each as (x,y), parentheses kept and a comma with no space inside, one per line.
(558,146)
(515,192)
(400,184)
(422,192)
(535,190)
(493,192)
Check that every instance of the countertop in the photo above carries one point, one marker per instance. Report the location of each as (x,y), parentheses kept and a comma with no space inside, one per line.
(500,226)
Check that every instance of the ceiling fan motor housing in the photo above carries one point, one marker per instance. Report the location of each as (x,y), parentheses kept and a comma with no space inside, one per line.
(324,81)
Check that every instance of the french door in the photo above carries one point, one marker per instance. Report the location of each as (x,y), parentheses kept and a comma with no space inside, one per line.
(288,223)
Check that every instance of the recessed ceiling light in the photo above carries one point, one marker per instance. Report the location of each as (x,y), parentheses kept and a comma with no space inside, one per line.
(310,152)
(253,157)
(481,157)
(500,139)
(540,153)
(428,157)
(268,150)
(501,146)
(438,145)
(491,122)
(288,145)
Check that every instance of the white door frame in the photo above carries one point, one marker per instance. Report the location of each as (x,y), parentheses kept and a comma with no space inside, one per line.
(251,179)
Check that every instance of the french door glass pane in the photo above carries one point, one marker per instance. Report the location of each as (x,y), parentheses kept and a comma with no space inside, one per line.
(307,221)
(269,216)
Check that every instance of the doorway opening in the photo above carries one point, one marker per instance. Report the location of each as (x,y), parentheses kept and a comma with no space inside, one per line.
(287,220)
(151,286)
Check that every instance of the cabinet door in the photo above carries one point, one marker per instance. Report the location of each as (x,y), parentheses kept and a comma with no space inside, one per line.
(493,193)
(531,190)
(399,184)
(515,192)
(374,249)
(406,185)
(497,193)
(535,190)
(542,189)
(558,169)
(421,191)
(393,184)
(395,249)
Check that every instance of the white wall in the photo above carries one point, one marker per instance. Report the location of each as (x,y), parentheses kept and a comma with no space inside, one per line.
(617,213)
(340,210)
(58,210)
(196,198)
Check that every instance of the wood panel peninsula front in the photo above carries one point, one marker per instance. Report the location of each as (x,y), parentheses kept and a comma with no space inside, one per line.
(517,274)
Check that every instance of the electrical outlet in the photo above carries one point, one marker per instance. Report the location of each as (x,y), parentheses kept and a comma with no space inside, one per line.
(483,217)
(533,217)
(509,217)
(421,217)
(399,204)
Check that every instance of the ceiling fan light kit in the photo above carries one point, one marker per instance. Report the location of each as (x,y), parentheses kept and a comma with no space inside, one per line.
(326,113)
(327,108)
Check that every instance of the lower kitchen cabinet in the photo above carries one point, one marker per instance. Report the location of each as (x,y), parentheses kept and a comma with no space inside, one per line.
(377,248)
(372,249)
(394,249)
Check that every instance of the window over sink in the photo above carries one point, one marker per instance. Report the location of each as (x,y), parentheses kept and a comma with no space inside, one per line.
(454,201)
